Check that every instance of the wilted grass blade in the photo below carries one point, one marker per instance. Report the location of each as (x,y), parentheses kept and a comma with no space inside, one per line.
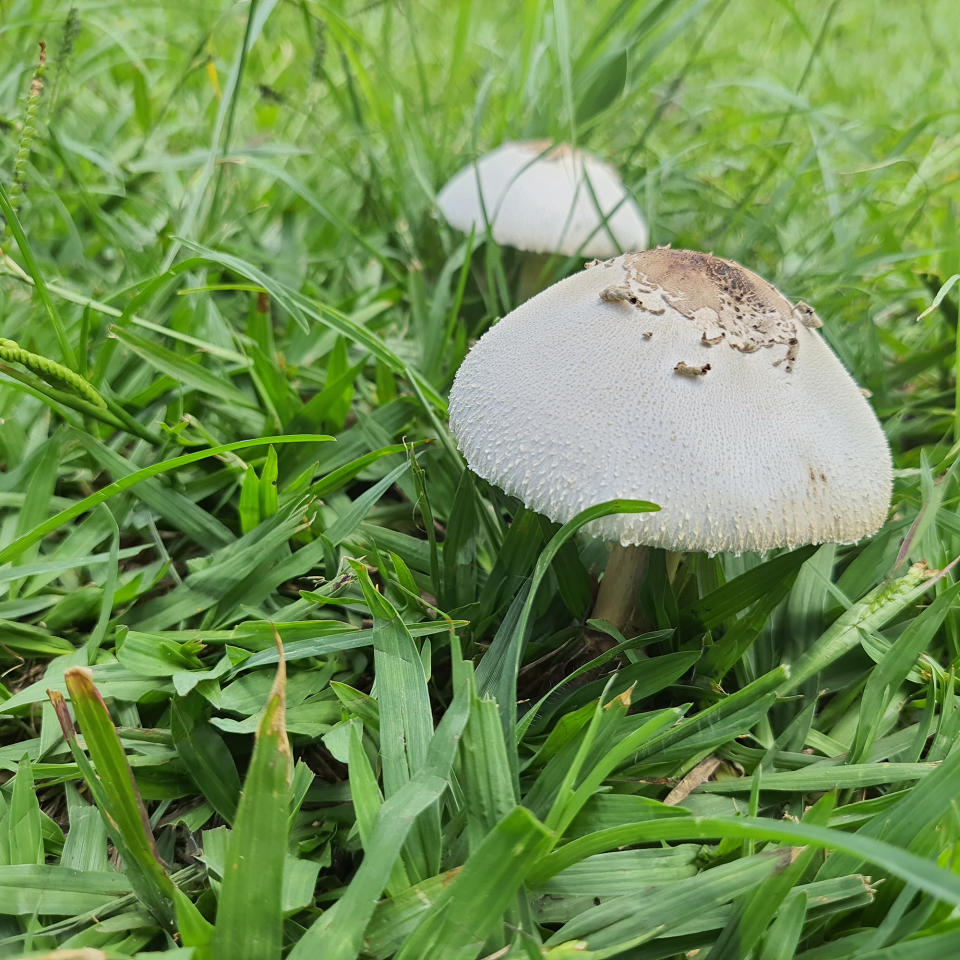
(115,790)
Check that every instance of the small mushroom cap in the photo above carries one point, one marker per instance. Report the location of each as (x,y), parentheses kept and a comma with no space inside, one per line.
(681,378)
(545,199)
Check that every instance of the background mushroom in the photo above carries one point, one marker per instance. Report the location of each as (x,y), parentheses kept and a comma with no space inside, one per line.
(681,378)
(545,199)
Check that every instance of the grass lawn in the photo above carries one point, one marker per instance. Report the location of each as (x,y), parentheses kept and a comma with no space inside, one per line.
(230,317)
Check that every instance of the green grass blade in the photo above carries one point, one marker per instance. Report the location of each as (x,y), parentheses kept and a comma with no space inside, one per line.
(870,613)
(206,756)
(406,721)
(187,374)
(924,874)
(785,931)
(497,673)
(914,819)
(249,921)
(626,922)
(472,906)
(24,839)
(14,549)
(893,669)
(299,307)
(338,934)
(16,228)
(484,771)
(52,890)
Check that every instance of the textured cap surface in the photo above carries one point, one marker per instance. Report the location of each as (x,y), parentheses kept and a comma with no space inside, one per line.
(680,378)
(545,199)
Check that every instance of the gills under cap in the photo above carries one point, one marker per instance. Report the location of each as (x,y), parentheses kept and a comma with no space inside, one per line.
(681,378)
(545,199)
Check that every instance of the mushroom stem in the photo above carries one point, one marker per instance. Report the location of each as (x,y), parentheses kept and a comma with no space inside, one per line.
(531,275)
(673,559)
(617,599)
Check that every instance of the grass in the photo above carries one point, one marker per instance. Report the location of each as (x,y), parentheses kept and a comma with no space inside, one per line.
(220,251)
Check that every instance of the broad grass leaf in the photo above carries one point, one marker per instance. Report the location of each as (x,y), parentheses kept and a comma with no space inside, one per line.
(470,908)
(828,777)
(738,712)
(54,890)
(728,600)
(644,678)
(622,872)
(753,914)
(605,87)
(350,519)
(406,721)
(367,801)
(894,667)
(24,838)
(497,673)
(40,285)
(628,921)
(207,759)
(912,821)
(226,571)
(39,491)
(85,847)
(342,636)
(460,547)
(605,810)
(267,488)
(336,479)
(784,935)
(484,771)
(300,308)
(155,654)
(514,561)
(574,792)
(396,917)
(249,920)
(923,948)
(113,682)
(115,791)
(406,725)
(339,932)
(924,874)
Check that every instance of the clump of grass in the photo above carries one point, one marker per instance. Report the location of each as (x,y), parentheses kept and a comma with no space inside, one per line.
(244,262)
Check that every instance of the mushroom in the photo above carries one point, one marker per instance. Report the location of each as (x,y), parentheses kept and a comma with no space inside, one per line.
(545,198)
(684,379)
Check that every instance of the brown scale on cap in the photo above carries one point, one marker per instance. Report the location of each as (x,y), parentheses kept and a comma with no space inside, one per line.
(728,303)
(686,370)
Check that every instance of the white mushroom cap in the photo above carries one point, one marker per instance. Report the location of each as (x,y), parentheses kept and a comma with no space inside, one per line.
(680,378)
(545,200)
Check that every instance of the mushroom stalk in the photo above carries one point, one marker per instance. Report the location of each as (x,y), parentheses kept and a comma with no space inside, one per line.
(617,599)
(531,275)
(673,559)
